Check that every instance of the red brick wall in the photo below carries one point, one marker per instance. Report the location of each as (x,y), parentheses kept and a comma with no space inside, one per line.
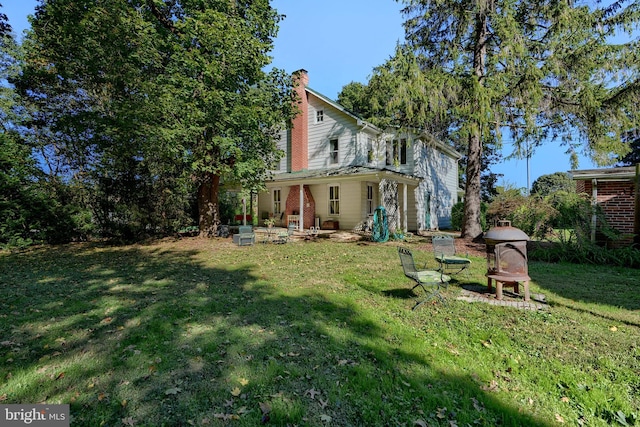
(300,126)
(293,205)
(617,201)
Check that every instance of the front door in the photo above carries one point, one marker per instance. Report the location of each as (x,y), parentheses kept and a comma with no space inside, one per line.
(427,211)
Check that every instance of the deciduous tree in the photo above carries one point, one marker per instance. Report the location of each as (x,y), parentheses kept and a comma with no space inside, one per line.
(149,100)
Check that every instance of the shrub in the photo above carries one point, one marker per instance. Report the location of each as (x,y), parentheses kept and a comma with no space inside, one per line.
(457,215)
(533,215)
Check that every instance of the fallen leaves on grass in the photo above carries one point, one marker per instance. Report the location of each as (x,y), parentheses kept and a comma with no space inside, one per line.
(477,405)
(493,386)
(226,417)
(265,408)
(312,393)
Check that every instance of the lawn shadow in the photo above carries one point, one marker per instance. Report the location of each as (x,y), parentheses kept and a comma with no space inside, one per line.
(161,335)
(589,284)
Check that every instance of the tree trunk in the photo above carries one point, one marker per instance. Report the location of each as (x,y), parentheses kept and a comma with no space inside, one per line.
(471,227)
(208,207)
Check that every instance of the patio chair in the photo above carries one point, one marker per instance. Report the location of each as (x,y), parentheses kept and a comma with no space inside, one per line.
(444,250)
(423,278)
(246,236)
(284,236)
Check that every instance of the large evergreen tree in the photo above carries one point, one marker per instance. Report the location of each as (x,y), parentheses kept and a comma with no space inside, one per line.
(148,101)
(547,69)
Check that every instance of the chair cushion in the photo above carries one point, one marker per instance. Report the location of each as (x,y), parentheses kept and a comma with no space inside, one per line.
(453,260)
(430,276)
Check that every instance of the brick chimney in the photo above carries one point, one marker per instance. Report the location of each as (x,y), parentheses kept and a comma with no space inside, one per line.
(300,125)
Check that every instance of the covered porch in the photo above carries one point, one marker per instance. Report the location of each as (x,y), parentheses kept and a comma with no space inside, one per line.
(341,198)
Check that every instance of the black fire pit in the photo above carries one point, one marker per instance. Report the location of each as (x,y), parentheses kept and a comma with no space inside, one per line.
(507,258)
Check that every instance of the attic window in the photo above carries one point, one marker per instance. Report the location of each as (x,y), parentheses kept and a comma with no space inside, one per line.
(319,116)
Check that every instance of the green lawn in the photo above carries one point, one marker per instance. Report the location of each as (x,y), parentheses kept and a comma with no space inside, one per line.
(202,332)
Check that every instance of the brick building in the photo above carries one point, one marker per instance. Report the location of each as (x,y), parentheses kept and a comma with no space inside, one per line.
(614,190)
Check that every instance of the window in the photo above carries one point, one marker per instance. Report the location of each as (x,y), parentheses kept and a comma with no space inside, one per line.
(369,199)
(277,204)
(403,151)
(334,200)
(369,150)
(319,116)
(333,151)
(397,152)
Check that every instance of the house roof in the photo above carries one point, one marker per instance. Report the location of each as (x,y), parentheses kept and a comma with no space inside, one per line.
(343,173)
(620,173)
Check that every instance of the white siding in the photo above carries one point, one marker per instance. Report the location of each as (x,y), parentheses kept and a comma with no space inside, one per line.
(440,173)
(335,125)
(283,144)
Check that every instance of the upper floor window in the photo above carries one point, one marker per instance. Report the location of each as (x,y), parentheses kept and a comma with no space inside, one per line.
(389,153)
(334,200)
(396,152)
(319,116)
(333,151)
(369,150)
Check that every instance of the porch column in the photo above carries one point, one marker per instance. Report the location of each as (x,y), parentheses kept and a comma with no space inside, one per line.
(404,225)
(301,210)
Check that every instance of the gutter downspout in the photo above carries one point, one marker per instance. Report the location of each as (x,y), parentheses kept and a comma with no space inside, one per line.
(636,222)
(594,204)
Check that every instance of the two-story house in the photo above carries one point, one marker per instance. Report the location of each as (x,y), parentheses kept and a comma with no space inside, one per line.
(338,169)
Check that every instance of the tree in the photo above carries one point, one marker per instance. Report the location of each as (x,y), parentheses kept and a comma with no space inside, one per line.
(355,98)
(632,138)
(546,185)
(398,95)
(149,101)
(543,69)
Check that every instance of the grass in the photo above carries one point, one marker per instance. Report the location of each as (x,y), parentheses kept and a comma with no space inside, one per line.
(202,332)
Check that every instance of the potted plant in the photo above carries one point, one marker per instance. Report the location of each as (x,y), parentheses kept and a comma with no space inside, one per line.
(269,222)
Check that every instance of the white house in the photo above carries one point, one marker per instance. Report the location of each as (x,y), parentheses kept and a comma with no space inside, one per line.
(338,169)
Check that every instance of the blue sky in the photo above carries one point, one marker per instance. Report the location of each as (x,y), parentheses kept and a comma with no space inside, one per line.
(341,41)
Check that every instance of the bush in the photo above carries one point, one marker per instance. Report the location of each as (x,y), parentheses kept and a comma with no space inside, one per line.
(533,215)
(457,215)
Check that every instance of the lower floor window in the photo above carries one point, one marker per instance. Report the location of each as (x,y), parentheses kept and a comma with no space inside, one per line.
(334,200)
(369,199)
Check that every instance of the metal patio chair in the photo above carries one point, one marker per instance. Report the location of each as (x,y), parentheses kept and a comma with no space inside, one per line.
(444,251)
(246,236)
(423,278)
